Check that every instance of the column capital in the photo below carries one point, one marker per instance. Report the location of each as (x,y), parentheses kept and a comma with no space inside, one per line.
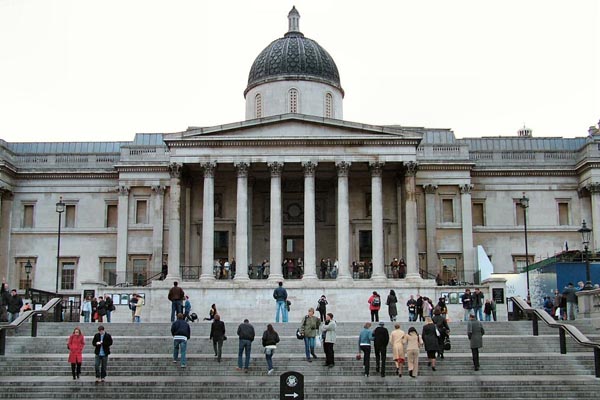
(276,168)
(410,168)
(343,168)
(466,189)
(175,170)
(123,190)
(158,189)
(376,168)
(593,188)
(309,168)
(209,169)
(430,188)
(242,169)
(6,193)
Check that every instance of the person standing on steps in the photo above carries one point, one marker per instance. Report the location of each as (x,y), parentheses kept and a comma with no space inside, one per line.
(431,341)
(75,344)
(475,333)
(139,305)
(110,307)
(364,344)
(245,334)
(280,295)
(187,308)
(310,329)
(217,335)
(381,338)
(322,307)
(211,313)
(176,296)
(270,338)
(329,342)
(181,332)
(374,306)
(101,342)
(391,303)
(478,298)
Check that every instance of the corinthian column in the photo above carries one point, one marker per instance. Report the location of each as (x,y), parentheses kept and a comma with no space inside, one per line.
(175,222)
(343,220)
(122,222)
(410,218)
(208,222)
(275,251)
(467,231)
(310,241)
(430,227)
(377,220)
(241,238)
(157,229)
(594,189)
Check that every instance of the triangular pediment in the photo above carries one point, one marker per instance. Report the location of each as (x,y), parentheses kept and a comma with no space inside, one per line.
(293,127)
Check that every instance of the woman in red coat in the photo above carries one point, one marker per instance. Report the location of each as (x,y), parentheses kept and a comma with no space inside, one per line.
(75,344)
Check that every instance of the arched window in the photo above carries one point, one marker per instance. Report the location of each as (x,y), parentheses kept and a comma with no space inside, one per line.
(258,105)
(293,100)
(328,105)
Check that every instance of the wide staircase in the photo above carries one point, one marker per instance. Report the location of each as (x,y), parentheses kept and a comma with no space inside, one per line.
(514,365)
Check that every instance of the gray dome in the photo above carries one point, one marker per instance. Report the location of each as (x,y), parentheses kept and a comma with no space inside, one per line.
(293,57)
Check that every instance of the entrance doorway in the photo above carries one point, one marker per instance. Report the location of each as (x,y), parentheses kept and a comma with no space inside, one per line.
(293,252)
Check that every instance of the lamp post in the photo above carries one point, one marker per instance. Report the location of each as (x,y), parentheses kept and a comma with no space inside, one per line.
(28,268)
(586,233)
(524,203)
(60,208)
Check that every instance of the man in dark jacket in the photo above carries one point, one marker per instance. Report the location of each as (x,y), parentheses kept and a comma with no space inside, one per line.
(217,334)
(176,296)
(381,339)
(280,295)
(467,303)
(15,303)
(246,334)
(181,334)
(568,293)
(477,297)
(101,342)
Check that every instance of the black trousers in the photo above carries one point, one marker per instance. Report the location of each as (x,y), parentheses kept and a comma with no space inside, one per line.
(380,358)
(328,348)
(374,315)
(475,353)
(366,357)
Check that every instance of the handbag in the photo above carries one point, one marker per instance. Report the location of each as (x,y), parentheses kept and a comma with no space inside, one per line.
(437,332)
(299,334)
(447,344)
(82,314)
(270,349)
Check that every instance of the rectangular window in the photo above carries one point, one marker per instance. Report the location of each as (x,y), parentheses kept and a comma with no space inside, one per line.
(221,245)
(519,214)
(563,214)
(112,214)
(365,245)
(109,271)
(67,281)
(28,215)
(141,214)
(70,216)
(520,264)
(451,269)
(139,271)
(447,210)
(477,210)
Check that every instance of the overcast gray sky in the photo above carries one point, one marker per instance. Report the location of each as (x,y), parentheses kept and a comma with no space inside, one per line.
(103,70)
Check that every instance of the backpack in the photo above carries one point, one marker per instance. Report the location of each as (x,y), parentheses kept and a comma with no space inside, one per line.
(376,301)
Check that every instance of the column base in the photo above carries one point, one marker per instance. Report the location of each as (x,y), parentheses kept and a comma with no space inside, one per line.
(207,278)
(241,278)
(379,278)
(414,277)
(275,278)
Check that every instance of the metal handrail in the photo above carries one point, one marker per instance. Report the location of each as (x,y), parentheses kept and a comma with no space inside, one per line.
(576,334)
(23,317)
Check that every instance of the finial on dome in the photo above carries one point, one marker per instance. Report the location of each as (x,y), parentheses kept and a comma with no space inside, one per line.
(293,20)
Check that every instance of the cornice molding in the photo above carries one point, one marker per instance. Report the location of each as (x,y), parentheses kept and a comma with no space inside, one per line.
(142,168)
(531,172)
(269,142)
(445,167)
(68,175)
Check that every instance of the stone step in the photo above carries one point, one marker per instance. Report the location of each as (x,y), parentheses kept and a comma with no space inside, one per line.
(318,387)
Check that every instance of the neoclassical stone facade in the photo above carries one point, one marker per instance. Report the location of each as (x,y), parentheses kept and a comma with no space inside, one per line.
(292,181)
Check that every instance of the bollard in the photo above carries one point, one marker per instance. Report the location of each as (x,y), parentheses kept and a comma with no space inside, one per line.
(34,325)
(2,342)
(563,341)
(70,310)
(534,321)
(597,361)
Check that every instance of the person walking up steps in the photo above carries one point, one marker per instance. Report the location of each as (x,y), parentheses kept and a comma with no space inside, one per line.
(270,338)
(280,295)
(245,334)
(181,332)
